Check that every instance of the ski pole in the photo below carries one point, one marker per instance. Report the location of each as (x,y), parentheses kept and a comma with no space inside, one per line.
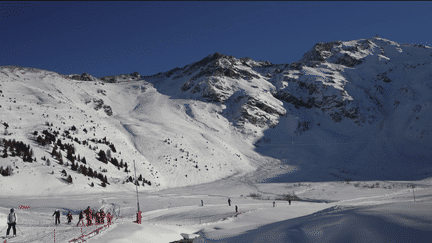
(19,229)
(3,228)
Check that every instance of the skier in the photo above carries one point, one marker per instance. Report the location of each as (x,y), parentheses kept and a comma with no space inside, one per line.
(12,220)
(102,217)
(229,202)
(57,218)
(81,217)
(236,209)
(289,201)
(274,203)
(69,217)
(109,217)
(202,203)
(88,213)
(98,218)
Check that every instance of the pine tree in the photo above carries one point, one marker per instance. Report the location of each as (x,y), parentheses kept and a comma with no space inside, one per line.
(69,155)
(92,184)
(102,156)
(69,179)
(114,161)
(84,160)
(74,167)
(5,155)
(54,152)
(140,177)
(8,170)
(60,157)
(100,177)
(48,163)
(103,184)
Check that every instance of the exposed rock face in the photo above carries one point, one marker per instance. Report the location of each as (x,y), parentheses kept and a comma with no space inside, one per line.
(82,77)
(328,79)
(100,104)
(122,78)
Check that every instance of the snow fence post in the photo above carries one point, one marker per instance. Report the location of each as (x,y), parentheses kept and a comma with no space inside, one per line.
(413,186)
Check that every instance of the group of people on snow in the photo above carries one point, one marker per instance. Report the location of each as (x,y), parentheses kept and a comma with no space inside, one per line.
(236,208)
(98,216)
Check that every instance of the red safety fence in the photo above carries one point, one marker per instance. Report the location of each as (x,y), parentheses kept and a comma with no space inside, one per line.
(96,231)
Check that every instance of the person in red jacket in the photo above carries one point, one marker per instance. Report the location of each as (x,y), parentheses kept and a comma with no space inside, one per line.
(97,218)
(109,218)
(102,214)
(88,213)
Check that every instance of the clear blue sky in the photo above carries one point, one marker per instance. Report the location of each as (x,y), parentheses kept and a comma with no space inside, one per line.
(109,38)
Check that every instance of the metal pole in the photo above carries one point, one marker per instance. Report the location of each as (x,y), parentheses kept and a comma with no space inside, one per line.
(19,229)
(413,192)
(136,186)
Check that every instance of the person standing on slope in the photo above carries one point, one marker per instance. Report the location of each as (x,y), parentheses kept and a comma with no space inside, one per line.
(57,218)
(12,220)
(229,201)
(81,218)
(109,217)
(97,220)
(88,213)
(236,209)
(102,214)
(69,217)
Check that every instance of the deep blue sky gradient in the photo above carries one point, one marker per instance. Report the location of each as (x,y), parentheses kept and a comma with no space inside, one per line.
(110,38)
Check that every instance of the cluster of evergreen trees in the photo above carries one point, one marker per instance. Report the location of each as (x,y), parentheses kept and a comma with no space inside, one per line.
(104,141)
(106,157)
(51,138)
(137,182)
(17,148)
(7,171)
(82,169)
(144,181)
(69,178)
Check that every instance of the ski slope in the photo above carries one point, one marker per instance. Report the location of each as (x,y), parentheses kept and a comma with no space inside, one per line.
(341,212)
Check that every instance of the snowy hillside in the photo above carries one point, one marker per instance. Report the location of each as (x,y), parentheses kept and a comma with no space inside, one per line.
(171,145)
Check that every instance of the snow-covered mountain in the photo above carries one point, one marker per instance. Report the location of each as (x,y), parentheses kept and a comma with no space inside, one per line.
(355,110)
